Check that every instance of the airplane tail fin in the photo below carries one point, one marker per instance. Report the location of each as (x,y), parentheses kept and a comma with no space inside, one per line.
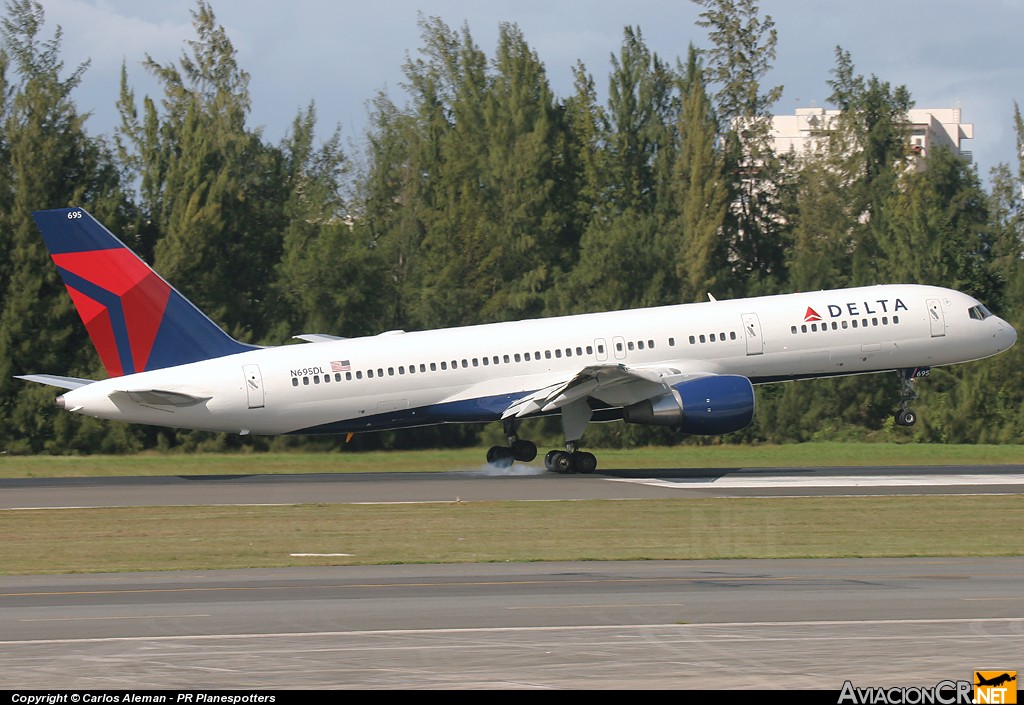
(136,320)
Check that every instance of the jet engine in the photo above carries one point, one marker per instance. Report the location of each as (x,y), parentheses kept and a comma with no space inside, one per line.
(707,406)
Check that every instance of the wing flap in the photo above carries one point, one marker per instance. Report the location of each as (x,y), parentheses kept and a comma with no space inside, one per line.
(616,385)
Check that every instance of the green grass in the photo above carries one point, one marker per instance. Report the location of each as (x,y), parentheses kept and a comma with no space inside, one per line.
(684,456)
(196,538)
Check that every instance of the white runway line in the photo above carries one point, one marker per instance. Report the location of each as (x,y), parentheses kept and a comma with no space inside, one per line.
(740,481)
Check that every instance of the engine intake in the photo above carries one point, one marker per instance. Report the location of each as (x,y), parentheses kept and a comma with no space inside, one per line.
(708,406)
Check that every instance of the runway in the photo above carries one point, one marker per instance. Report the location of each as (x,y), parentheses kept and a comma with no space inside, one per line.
(780,624)
(520,483)
(703,624)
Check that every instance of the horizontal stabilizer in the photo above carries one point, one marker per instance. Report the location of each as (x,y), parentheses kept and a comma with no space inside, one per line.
(159,397)
(317,337)
(57,381)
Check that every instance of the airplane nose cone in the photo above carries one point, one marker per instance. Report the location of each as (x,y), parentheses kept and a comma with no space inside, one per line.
(1006,335)
(59,402)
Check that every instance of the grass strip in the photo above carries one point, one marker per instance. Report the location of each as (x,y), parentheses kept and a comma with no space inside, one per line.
(198,538)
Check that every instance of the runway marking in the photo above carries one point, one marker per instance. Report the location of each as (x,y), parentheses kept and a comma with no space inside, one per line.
(621,605)
(741,481)
(603,627)
(319,555)
(103,619)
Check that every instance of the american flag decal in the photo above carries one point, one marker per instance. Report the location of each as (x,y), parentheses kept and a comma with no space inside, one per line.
(340,366)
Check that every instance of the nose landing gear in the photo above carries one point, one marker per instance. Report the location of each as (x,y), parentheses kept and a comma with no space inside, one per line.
(906,416)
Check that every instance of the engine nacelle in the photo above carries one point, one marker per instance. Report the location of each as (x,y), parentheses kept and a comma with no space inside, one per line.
(708,406)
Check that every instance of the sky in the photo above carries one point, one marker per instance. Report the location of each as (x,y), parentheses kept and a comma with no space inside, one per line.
(341,54)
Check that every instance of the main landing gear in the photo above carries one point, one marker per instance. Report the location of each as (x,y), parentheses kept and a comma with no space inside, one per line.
(906,416)
(517,449)
(569,460)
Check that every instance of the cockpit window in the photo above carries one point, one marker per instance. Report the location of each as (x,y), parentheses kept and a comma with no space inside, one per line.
(979,312)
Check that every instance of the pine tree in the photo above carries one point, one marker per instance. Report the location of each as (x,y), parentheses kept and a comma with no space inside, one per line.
(701,189)
(743,49)
(212,188)
(870,137)
(627,252)
(330,279)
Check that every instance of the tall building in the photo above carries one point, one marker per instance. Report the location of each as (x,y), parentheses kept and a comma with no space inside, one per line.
(928,128)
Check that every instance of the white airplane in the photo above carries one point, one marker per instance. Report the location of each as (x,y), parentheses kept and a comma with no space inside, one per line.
(690,367)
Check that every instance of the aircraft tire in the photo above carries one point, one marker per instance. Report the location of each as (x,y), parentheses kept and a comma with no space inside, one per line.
(524,451)
(559,461)
(585,463)
(906,417)
(500,456)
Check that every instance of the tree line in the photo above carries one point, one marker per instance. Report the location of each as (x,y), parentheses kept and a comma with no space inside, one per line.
(482,197)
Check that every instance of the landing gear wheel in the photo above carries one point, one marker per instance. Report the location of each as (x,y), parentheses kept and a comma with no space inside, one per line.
(905,417)
(585,463)
(559,461)
(500,457)
(524,451)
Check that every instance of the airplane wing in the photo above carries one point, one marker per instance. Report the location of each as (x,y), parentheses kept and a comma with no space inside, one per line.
(57,381)
(615,385)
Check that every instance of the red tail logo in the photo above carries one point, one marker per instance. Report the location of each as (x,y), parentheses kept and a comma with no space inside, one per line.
(122,310)
(811,315)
